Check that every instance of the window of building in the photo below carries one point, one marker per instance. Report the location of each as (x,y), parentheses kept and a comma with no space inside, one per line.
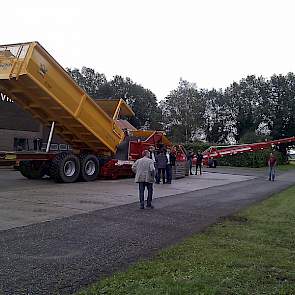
(21,144)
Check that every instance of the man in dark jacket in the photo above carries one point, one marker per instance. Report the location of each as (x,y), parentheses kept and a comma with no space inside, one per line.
(153,156)
(199,160)
(161,162)
(170,162)
(272,163)
(190,156)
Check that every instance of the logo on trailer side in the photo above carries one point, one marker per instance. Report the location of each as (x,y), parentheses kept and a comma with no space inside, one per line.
(42,70)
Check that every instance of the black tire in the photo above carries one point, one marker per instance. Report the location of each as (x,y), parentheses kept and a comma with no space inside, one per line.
(24,169)
(33,169)
(212,163)
(89,167)
(65,167)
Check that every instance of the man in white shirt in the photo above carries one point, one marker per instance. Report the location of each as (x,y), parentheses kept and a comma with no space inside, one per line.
(144,170)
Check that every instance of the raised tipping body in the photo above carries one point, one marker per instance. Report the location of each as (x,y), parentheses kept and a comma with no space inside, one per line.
(36,82)
(32,78)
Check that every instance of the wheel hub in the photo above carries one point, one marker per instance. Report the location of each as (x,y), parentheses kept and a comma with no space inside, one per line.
(90,168)
(69,168)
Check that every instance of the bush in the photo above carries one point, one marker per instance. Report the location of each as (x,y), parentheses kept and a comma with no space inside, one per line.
(254,160)
(197,146)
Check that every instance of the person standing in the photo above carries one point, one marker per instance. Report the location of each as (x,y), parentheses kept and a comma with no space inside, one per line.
(190,156)
(199,160)
(144,170)
(161,162)
(272,163)
(170,162)
(152,151)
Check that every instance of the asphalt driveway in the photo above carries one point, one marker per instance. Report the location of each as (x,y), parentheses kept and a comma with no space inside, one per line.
(63,255)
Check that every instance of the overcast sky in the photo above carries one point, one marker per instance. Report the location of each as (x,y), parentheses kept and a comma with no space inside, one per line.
(155,42)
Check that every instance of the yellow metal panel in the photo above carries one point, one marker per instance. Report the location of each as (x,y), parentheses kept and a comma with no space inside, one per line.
(12,59)
(115,107)
(122,109)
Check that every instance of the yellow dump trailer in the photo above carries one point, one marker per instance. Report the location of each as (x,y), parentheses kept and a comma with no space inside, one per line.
(35,81)
(31,77)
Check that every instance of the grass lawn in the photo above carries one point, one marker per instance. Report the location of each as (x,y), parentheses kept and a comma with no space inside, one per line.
(250,253)
(279,168)
(286,167)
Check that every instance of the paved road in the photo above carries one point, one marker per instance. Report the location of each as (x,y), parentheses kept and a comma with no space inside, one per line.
(24,202)
(61,256)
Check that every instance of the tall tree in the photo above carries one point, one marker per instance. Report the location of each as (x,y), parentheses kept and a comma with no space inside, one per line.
(279,108)
(145,106)
(244,99)
(183,112)
(218,120)
(91,81)
(141,100)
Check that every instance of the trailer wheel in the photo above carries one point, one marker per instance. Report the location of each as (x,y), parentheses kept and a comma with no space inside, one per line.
(89,167)
(212,163)
(24,169)
(33,169)
(65,167)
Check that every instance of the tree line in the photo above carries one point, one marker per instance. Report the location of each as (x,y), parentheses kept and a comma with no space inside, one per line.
(253,109)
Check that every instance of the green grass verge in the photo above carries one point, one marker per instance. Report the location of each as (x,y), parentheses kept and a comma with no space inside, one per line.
(281,168)
(286,167)
(250,253)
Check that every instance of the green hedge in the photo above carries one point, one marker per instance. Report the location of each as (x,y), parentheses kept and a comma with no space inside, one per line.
(197,146)
(254,160)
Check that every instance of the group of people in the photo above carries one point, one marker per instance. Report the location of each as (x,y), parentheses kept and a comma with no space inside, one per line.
(163,160)
(199,159)
(155,165)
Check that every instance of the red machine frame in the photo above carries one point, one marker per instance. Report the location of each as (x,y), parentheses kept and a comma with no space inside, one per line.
(216,152)
(119,168)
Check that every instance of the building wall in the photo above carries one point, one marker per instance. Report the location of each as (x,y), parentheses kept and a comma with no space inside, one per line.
(8,139)
(18,128)
(12,117)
